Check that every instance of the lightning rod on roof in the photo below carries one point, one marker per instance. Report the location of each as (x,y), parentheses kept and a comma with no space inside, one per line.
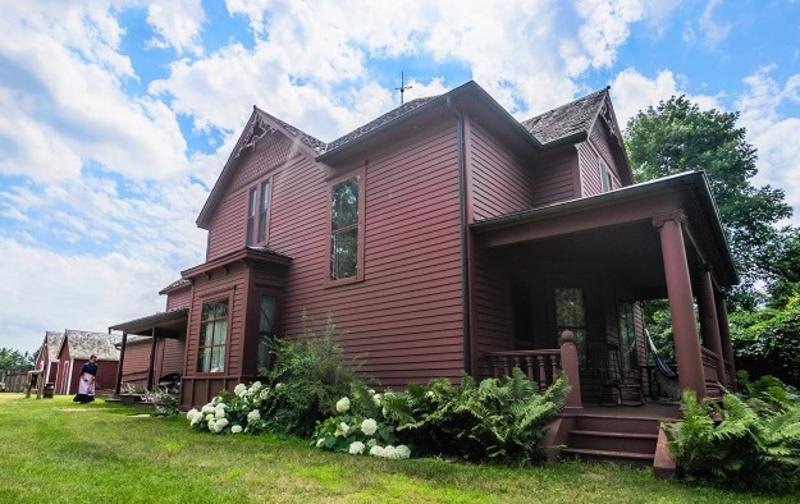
(403,87)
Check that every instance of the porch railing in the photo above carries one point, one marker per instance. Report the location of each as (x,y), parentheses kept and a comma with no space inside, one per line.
(540,366)
(710,365)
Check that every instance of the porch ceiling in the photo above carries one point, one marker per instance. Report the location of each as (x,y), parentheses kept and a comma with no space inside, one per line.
(616,229)
(171,324)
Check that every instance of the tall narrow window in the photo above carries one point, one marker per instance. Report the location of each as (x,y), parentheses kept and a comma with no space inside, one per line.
(571,315)
(213,332)
(627,338)
(263,212)
(267,329)
(251,215)
(605,177)
(344,229)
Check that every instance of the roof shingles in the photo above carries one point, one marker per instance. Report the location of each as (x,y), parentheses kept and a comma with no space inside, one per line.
(567,120)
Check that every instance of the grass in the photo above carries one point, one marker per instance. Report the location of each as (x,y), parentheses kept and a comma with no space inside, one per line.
(56,451)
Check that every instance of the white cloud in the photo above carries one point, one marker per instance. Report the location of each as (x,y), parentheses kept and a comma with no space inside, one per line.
(606,27)
(632,91)
(178,24)
(50,290)
(774,134)
(63,102)
(713,31)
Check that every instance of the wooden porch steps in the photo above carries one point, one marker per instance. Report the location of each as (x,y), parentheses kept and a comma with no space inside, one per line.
(623,434)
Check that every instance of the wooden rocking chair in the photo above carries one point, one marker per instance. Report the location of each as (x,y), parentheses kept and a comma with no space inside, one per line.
(607,361)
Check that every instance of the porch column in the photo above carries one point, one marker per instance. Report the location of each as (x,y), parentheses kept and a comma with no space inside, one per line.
(151,364)
(569,364)
(709,320)
(679,291)
(121,363)
(725,335)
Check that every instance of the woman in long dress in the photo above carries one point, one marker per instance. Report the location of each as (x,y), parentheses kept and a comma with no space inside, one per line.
(86,382)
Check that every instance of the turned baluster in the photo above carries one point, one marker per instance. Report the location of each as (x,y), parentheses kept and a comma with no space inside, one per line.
(542,373)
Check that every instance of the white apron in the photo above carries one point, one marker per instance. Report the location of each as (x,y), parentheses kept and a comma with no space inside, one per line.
(86,384)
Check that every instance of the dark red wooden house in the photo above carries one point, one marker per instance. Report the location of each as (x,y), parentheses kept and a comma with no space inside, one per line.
(447,237)
(47,355)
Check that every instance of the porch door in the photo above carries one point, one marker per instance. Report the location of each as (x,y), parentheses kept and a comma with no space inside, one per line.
(576,304)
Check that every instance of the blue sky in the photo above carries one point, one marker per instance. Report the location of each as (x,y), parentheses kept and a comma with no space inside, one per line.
(118,115)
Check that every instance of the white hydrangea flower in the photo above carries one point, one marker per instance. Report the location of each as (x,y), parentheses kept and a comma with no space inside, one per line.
(429,394)
(264,394)
(385,411)
(377,400)
(342,405)
(342,430)
(356,448)
(209,417)
(278,385)
(255,386)
(320,442)
(196,420)
(402,451)
(208,408)
(376,451)
(371,391)
(219,413)
(369,426)
(372,442)
(191,413)
(236,429)
(253,416)
(240,390)
(216,400)
(212,425)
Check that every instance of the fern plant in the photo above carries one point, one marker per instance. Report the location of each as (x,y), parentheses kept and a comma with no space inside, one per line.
(501,419)
(749,442)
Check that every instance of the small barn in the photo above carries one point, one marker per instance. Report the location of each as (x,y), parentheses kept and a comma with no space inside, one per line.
(47,355)
(75,350)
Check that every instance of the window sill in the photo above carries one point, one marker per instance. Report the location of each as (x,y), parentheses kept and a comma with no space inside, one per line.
(343,281)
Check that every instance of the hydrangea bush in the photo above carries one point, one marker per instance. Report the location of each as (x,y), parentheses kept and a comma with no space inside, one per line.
(233,414)
(351,431)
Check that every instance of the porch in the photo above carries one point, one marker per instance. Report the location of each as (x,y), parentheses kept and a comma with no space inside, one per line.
(580,269)
(169,325)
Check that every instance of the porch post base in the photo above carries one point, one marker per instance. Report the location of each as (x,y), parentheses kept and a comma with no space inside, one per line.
(664,466)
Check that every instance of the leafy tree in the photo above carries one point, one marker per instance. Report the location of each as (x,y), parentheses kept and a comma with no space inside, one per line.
(12,359)
(767,341)
(676,136)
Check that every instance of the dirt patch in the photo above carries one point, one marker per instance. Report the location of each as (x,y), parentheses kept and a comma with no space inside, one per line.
(80,410)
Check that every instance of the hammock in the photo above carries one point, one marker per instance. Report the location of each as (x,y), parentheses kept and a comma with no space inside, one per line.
(666,378)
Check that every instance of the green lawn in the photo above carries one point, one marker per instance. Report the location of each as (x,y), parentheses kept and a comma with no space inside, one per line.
(56,451)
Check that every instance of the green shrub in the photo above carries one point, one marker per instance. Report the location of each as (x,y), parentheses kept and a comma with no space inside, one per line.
(500,419)
(767,341)
(356,433)
(750,442)
(310,375)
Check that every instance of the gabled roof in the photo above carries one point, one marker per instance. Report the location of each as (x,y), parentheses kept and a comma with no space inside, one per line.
(386,118)
(176,285)
(560,124)
(53,341)
(566,121)
(83,344)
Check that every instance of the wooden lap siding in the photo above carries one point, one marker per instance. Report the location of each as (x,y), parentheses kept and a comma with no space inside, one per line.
(199,388)
(555,178)
(589,154)
(500,182)
(228,223)
(137,358)
(601,142)
(169,359)
(406,317)
(180,298)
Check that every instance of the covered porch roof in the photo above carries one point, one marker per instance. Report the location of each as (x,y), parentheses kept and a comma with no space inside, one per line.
(170,324)
(618,229)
